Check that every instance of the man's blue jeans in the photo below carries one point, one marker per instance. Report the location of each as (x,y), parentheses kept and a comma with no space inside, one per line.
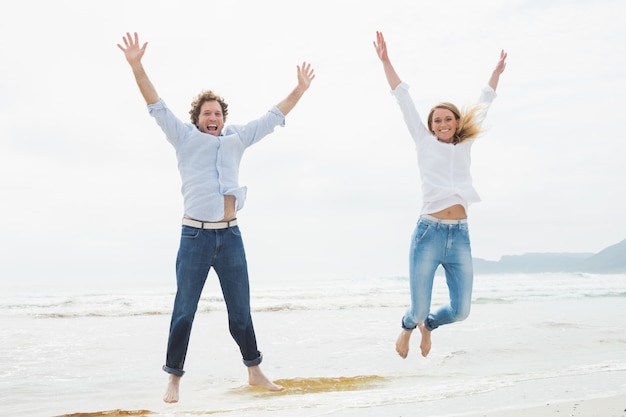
(434,243)
(199,250)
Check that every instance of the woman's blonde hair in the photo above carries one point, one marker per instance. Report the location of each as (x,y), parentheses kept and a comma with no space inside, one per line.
(469,121)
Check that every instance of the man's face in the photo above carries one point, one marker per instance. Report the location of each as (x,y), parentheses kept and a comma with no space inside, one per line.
(211,119)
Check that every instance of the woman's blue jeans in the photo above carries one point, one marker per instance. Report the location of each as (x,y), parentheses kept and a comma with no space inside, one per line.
(199,250)
(434,243)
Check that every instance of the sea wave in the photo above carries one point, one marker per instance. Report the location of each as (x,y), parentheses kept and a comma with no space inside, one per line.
(320,295)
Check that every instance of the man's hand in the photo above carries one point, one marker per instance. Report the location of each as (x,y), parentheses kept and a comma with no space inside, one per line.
(132,51)
(306,74)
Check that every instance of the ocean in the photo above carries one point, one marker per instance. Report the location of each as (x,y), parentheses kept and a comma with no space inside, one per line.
(96,349)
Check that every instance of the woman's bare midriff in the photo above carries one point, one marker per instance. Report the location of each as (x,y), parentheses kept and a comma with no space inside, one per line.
(454,212)
(229,209)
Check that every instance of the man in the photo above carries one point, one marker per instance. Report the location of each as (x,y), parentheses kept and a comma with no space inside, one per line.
(208,156)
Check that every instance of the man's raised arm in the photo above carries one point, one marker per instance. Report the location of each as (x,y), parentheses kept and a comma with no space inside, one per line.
(133,54)
(305,76)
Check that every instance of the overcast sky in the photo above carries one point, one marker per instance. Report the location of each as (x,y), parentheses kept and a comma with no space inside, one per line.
(90,187)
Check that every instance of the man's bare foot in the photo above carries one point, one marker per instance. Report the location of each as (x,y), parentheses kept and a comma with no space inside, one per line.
(258,379)
(425,344)
(402,343)
(171,393)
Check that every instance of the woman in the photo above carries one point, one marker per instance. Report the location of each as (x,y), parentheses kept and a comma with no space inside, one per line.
(441,235)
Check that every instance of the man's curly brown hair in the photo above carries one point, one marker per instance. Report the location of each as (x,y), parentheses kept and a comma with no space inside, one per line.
(206,95)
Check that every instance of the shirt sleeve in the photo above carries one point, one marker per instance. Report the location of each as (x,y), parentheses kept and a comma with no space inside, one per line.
(412,119)
(173,127)
(254,131)
(487,95)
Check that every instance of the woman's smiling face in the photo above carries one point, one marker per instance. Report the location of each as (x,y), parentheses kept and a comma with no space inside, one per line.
(444,124)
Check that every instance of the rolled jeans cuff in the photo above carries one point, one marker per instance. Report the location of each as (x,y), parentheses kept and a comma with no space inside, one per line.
(405,327)
(428,325)
(254,362)
(177,372)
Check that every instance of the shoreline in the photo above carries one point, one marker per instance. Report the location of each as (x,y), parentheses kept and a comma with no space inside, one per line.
(534,347)
(593,406)
(611,406)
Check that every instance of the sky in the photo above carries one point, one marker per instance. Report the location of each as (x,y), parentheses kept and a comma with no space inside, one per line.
(90,187)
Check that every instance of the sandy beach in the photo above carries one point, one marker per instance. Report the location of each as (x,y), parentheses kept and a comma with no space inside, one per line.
(534,345)
(614,406)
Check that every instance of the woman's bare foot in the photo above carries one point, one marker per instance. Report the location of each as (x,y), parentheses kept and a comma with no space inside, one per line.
(402,343)
(171,393)
(258,379)
(425,344)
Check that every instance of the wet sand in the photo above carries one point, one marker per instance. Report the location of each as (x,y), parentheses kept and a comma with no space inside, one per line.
(614,406)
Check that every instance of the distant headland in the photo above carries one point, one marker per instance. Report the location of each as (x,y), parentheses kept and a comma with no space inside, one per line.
(611,260)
